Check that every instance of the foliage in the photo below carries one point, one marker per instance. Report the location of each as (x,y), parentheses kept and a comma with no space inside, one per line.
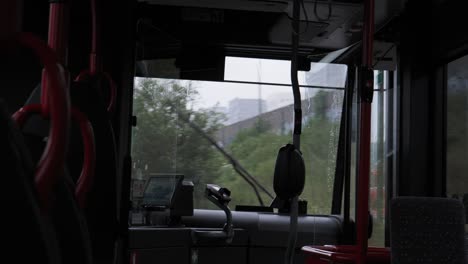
(163,143)
(257,150)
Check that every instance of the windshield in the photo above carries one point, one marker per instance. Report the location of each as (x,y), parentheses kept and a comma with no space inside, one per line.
(250,121)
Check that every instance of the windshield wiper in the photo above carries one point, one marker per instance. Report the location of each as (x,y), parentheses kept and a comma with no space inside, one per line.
(235,164)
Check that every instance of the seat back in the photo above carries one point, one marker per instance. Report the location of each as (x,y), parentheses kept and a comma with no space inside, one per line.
(101,210)
(427,230)
(67,218)
(29,238)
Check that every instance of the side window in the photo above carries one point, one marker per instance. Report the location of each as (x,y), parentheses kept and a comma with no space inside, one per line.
(381,151)
(457,130)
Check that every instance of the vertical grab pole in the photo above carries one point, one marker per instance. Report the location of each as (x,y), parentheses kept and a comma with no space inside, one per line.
(58,29)
(366,90)
(94,56)
(293,223)
(58,41)
(294,77)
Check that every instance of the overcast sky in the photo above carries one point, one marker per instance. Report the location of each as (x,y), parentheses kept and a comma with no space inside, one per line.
(256,70)
(253,70)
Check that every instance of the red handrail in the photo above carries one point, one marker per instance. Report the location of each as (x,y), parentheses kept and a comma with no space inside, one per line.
(51,164)
(345,255)
(95,66)
(58,40)
(359,253)
(85,180)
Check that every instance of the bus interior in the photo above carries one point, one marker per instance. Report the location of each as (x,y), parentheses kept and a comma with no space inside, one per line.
(234,131)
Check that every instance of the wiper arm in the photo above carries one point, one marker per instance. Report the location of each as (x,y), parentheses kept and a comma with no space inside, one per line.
(235,164)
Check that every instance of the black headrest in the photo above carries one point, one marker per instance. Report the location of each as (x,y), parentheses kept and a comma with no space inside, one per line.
(289,172)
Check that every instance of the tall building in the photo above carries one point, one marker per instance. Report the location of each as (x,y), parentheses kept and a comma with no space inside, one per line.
(242,108)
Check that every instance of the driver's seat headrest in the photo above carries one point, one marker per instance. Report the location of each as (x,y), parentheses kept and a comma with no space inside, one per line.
(289,173)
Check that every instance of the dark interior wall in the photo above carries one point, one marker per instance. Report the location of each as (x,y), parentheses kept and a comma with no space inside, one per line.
(19,69)
(432,33)
(449,31)
(118,47)
(79,38)
(414,85)
(450,38)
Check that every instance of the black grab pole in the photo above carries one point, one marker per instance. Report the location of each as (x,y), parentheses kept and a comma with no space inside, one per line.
(365,94)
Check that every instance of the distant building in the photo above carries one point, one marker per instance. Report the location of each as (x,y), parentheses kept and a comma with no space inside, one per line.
(279,100)
(241,109)
(219,109)
(281,119)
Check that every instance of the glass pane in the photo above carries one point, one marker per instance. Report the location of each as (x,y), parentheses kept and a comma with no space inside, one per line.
(379,152)
(278,71)
(250,121)
(457,129)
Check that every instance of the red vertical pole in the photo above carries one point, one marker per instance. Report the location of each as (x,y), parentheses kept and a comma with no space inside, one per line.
(58,29)
(366,87)
(57,40)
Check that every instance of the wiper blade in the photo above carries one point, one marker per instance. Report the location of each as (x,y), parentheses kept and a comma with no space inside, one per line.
(235,164)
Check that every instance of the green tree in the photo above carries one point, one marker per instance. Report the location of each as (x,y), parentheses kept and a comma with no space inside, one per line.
(321,103)
(163,143)
(319,147)
(257,147)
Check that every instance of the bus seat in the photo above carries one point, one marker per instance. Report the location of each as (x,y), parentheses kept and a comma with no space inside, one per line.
(29,238)
(70,224)
(427,230)
(101,211)
(67,218)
